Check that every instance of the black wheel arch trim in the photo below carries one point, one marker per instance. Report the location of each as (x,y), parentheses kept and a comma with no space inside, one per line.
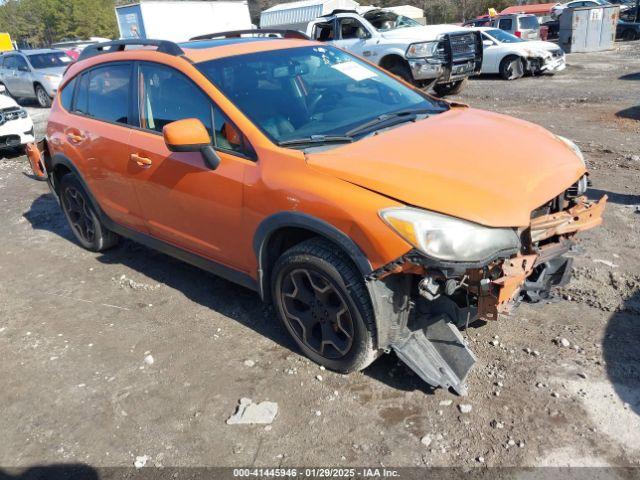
(278,221)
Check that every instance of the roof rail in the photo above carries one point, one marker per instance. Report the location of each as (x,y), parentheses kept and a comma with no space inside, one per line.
(260,31)
(163,46)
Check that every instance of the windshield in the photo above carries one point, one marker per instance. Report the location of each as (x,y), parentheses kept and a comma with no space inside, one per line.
(502,36)
(384,20)
(311,91)
(49,60)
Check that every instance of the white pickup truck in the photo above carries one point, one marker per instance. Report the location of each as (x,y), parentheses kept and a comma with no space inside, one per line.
(441,56)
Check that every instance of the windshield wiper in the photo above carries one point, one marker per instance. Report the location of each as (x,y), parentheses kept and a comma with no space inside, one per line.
(316,140)
(388,120)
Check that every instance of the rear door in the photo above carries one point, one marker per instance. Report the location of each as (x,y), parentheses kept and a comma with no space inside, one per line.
(506,24)
(184,202)
(10,74)
(99,139)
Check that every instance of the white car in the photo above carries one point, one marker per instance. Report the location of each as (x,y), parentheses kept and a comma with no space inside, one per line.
(16,127)
(512,57)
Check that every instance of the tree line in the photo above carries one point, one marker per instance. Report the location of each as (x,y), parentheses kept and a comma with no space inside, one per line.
(42,22)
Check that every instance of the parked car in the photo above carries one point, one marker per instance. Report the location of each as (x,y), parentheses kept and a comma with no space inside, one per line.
(359,205)
(441,56)
(627,30)
(16,127)
(629,15)
(513,57)
(521,25)
(557,10)
(33,73)
(553,28)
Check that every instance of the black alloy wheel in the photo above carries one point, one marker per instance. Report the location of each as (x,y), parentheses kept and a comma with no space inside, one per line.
(317,313)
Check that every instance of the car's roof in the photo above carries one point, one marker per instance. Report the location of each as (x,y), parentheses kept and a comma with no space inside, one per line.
(203,50)
(37,51)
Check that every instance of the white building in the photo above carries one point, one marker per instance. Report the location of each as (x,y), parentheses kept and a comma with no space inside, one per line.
(296,15)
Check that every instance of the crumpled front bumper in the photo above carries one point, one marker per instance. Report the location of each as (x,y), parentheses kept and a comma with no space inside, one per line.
(498,296)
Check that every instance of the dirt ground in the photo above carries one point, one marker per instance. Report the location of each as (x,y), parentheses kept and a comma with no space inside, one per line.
(75,328)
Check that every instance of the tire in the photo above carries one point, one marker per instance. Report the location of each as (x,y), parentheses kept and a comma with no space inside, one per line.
(511,67)
(401,70)
(323,303)
(451,88)
(83,220)
(628,35)
(43,98)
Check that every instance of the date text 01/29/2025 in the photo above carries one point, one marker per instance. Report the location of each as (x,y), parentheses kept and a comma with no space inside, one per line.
(315,472)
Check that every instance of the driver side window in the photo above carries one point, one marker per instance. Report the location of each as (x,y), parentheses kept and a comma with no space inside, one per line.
(350,28)
(166,95)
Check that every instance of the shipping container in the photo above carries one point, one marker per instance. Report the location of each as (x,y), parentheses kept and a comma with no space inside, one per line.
(296,15)
(179,21)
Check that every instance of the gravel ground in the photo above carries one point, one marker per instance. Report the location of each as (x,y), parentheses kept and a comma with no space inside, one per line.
(109,357)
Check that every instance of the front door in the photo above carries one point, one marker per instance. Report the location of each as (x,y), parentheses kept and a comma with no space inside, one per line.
(184,202)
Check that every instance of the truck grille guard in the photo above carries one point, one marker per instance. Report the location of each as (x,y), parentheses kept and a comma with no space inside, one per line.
(457,48)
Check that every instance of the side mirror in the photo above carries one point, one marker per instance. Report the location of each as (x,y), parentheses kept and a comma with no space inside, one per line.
(190,135)
(487,43)
(23,68)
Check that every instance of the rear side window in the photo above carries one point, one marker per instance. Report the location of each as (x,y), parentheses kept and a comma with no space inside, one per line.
(529,23)
(505,24)
(109,93)
(66,94)
(103,93)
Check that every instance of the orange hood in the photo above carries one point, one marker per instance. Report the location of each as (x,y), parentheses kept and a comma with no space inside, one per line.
(480,166)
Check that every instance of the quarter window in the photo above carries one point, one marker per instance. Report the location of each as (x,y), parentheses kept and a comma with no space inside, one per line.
(66,94)
(167,95)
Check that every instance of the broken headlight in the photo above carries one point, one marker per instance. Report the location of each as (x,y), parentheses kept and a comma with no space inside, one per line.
(573,147)
(448,238)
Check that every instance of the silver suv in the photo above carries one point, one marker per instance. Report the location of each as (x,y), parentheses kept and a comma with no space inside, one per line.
(33,73)
(521,25)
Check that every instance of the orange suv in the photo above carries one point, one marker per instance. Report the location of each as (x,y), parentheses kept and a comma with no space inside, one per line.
(361,207)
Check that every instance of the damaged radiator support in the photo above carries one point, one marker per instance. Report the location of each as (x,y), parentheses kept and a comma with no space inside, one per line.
(425,305)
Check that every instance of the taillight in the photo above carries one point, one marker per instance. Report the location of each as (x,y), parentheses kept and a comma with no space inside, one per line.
(518,33)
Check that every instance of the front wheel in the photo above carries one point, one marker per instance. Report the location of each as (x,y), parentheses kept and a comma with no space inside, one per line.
(44,100)
(401,70)
(82,218)
(511,68)
(321,298)
(451,88)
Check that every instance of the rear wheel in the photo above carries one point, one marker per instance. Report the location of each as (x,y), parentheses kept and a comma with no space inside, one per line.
(44,100)
(451,88)
(511,67)
(82,218)
(321,298)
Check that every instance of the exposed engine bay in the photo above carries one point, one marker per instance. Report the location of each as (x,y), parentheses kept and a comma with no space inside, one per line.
(446,298)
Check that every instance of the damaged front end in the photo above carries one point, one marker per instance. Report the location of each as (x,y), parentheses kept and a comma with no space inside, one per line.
(544,61)
(430,301)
